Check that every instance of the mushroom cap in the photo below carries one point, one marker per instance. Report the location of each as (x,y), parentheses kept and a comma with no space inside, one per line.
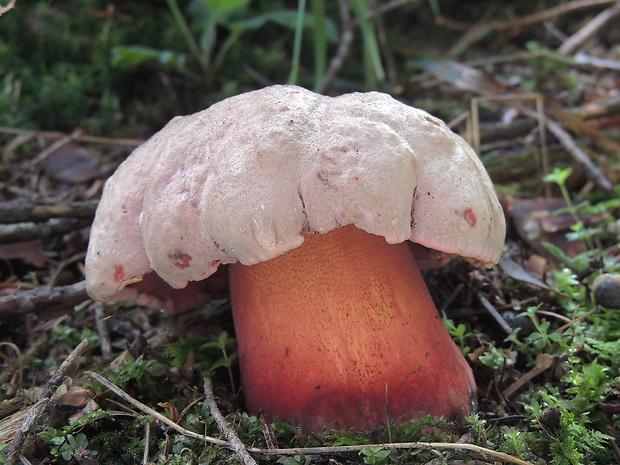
(241,180)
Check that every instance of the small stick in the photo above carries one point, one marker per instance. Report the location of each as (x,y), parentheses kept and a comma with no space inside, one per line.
(147,439)
(497,456)
(480,31)
(577,153)
(41,300)
(154,413)
(346,39)
(594,26)
(103,331)
(235,443)
(22,232)
(499,319)
(78,137)
(47,151)
(30,212)
(34,414)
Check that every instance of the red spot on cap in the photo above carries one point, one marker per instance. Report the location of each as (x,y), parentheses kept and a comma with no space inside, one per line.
(470,217)
(119,273)
(184,261)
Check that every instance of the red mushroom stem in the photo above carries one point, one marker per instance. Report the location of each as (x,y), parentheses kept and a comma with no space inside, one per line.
(341,332)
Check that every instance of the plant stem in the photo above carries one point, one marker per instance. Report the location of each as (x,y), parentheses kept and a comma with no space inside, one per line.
(299,27)
(187,34)
(320,43)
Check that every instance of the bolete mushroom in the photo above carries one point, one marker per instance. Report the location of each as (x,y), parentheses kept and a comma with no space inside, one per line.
(311,200)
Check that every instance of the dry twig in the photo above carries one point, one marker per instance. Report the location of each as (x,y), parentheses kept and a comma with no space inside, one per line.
(22,232)
(346,39)
(28,212)
(231,436)
(577,152)
(80,137)
(480,31)
(484,452)
(154,413)
(42,300)
(34,414)
(102,329)
(586,32)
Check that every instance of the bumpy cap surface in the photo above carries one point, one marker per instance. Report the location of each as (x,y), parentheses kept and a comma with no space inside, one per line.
(241,180)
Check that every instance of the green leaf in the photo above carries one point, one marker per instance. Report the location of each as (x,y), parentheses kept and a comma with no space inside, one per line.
(223,6)
(559,176)
(128,57)
(284,18)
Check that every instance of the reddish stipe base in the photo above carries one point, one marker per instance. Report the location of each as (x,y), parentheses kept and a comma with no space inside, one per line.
(331,329)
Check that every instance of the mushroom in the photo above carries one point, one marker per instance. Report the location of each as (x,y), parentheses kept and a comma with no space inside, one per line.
(311,200)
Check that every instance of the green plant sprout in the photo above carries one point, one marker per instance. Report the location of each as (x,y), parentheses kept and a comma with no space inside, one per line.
(65,445)
(579,231)
(378,455)
(227,359)
(495,358)
(460,333)
(202,351)
(568,439)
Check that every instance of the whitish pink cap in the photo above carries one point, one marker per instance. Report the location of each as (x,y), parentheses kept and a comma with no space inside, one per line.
(243,179)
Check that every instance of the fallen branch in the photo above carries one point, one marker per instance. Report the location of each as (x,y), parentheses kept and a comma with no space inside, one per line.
(480,31)
(22,232)
(346,39)
(35,413)
(487,453)
(586,32)
(77,137)
(154,413)
(231,436)
(42,300)
(577,153)
(28,212)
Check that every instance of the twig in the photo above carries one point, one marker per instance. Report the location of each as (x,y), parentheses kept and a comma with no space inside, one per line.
(583,129)
(47,151)
(28,212)
(479,31)
(77,137)
(60,267)
(390,67)
(462,82)
(147,440)
(490,454)
(102,329)
(495,314)
(348,25)
(551,13)
(22,232)
(42,300)
(34,414)
(577,153)
(154,413)
(346,40)
(595,25)
(564,327)
(235,443)
(543,363)
(389,6)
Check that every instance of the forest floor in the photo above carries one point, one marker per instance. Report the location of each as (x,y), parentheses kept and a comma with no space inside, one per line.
(533,86)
